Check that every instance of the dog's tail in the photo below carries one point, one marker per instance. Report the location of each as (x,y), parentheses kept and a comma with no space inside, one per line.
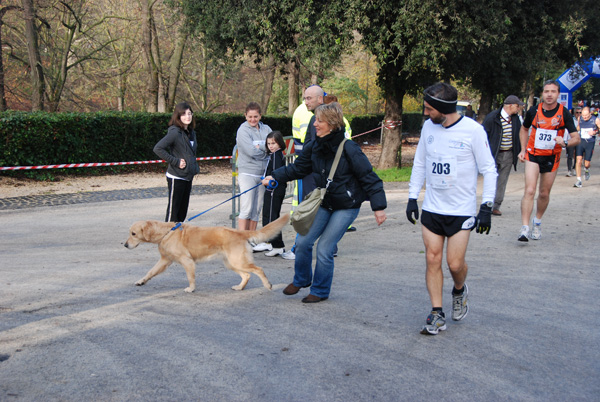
(270,231)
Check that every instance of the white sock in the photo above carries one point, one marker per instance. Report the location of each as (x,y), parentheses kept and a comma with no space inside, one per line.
(537,221)
(579,178)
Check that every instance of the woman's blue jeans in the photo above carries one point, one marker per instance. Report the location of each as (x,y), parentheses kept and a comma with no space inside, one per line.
(329,227)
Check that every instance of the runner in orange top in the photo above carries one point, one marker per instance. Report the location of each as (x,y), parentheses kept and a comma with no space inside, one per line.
(552,129)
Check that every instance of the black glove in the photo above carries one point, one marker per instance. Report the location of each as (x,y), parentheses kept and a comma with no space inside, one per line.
(412,209)
(484,219)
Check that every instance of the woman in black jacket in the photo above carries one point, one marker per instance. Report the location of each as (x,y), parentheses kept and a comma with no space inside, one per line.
(178,149)
(354,181)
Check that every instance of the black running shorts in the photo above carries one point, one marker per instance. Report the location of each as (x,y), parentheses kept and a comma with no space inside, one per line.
(447,225)
(547,163)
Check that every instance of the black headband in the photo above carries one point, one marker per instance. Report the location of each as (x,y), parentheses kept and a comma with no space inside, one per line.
(442,106)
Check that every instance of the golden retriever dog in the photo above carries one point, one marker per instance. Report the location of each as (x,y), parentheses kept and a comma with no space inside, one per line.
(189,244)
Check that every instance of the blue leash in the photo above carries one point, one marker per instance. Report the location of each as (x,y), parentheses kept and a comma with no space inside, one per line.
(271,186)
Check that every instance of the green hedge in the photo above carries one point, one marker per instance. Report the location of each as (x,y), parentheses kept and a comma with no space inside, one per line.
(42,138)
(54,138)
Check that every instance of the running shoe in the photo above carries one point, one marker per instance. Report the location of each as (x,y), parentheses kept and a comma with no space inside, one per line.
(275,252)
(577,184)
(569,173)
(288,255)
(587,174)
(460,309)
(524,233)
(536,232)
(436,322)
(262,247)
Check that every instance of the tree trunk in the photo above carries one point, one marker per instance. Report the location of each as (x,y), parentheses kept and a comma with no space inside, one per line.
(391,148)
(485,105)
(530,99)
(175,69)
(35,61)
(2,95)
(158,68)
(204,80)
(3,105)
(151,67)
(161,105)
(57,84)
(268,84)
(293,79)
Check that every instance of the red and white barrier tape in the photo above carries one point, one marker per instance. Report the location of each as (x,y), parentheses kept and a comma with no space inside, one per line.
(81,165)
(389,124)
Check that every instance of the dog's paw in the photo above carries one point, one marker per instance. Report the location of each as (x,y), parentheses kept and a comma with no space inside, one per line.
(189,289)
(237,287)
(269,286)
(141,282)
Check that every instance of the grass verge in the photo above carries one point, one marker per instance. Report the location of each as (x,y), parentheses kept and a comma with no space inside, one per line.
(394,174)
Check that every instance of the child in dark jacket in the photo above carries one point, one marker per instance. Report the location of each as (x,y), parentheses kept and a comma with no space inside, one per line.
(273,197)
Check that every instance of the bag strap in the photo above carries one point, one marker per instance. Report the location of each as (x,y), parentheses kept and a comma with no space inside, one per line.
(336,161)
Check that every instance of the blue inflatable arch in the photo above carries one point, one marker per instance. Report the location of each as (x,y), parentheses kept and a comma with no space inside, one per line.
(575,77)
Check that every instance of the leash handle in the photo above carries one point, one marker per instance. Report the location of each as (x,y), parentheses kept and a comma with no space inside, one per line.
(272,183)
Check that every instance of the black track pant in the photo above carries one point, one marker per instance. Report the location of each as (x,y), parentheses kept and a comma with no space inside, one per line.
(271,211)
(179,199)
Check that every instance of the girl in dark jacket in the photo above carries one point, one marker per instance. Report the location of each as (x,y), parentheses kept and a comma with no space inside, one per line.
(178,149)
(354,181)
(273,198)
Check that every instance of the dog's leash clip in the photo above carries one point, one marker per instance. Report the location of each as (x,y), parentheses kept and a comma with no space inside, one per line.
(178,226)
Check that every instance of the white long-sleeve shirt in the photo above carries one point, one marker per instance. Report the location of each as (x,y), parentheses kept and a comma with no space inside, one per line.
(448,159)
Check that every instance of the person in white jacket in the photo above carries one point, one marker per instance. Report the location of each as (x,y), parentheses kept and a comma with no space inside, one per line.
(451,152)
(251,163)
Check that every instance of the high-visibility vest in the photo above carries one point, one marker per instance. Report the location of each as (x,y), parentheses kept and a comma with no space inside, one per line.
(300,120)
(348,133)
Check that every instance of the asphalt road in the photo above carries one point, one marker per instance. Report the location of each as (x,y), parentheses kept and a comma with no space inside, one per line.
(73,326)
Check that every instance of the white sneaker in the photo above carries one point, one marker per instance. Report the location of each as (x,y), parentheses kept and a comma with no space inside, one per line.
(288,255)
(524,233)
(536,232)
(275,252)
(577,184)
(262,247)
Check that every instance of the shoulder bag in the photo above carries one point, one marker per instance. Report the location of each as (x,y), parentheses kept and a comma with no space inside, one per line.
(304,215)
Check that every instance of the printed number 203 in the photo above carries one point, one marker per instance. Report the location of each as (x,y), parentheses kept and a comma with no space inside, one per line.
(440,168)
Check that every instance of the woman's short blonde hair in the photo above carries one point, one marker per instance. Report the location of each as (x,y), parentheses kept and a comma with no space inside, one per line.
(330,113)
